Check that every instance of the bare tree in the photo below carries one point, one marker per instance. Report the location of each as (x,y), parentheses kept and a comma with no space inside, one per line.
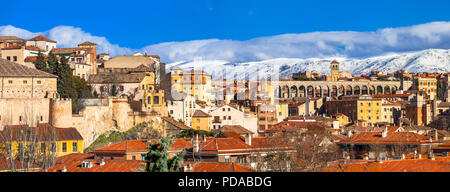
(28,148)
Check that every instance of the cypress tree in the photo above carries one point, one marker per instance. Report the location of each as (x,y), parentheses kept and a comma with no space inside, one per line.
(40,62)
(52,63)
(65,81)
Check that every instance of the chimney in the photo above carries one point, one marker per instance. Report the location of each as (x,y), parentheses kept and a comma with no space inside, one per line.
(350,133)
(403,156)
(64,169)
(384,133)
(102,161)
(420,156)
(196,145)
(248,139)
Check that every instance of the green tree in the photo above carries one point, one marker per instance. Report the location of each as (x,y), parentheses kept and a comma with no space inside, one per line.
(65,81)
(191,132)
(82,89)
(158,158)
(52,63)
(40,62)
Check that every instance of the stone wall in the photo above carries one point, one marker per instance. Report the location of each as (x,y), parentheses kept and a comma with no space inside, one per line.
(115,114)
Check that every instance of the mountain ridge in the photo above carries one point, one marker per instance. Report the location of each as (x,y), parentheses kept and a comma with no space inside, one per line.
(428,60)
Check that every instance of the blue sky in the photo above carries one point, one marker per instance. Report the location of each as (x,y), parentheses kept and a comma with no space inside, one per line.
(136,24)
(144,25)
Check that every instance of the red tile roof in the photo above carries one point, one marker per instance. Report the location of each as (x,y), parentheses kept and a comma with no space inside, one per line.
(73,162)
(43,132)
(217,167)
(23,46)
(41,38)
(405,165)
(140,145)
(391,138)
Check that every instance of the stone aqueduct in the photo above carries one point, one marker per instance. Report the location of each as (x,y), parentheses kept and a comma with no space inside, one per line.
(289,89)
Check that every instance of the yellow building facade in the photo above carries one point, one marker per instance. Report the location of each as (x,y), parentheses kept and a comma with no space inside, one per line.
(201,121)
(196,83)
(427,84)
(369,110)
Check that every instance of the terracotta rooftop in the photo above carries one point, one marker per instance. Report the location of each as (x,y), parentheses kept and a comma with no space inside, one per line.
(73,162)
(43,131)
(217,167)
(391,138)
(140,145)
(59,51)
(22,46)
(405,165)
(41,38)
(87,43)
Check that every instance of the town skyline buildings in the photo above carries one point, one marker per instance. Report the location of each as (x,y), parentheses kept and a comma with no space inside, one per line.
(240,32)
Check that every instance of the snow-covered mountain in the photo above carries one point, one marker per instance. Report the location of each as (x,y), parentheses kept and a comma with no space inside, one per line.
(430,60)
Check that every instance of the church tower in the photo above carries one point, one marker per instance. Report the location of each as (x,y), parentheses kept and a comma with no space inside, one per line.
(334,70)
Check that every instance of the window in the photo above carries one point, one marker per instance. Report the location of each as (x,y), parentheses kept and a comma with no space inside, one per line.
(20,118)
(155,100)
(9,58)
(38,82)
(227,159)
(64,147)
(224,117)
(133,157)
(74,147)
(15,58)
(10,82)
(42,118)
(25,82)
(229,109)
(223,109)
(229,117)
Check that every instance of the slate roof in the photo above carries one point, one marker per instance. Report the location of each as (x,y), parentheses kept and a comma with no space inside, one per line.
(11,69)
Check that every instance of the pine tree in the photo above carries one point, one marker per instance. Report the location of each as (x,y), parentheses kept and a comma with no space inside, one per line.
(158,158)
(40,62)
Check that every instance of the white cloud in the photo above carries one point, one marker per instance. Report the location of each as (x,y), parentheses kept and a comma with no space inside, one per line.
(69,36)
(304,45)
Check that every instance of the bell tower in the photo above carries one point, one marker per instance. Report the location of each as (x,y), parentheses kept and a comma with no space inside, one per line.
(334,70)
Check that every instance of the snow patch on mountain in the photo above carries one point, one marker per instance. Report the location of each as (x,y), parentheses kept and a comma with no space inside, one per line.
(430,60)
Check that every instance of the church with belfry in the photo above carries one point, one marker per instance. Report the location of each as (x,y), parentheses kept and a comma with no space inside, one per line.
(334,70)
